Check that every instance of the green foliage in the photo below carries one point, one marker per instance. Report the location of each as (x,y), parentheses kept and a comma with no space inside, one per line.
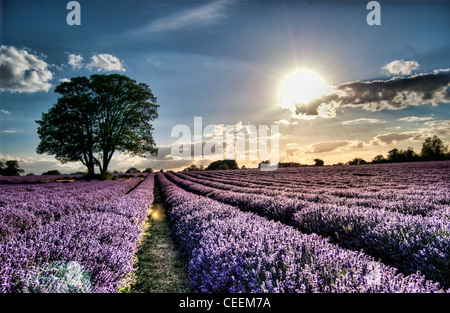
(289,164)
(10,168)
(408,155)
(194,167)
(52,172)
(357,161)
(223,165)
(433,149)
(379,159)
(97,116)
(318,162)
(132,170)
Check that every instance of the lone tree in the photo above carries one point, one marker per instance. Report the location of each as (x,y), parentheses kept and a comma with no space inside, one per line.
(318,162)
(97,116)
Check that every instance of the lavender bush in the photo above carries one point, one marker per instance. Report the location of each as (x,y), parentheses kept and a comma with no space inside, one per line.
(410,242)
(233,251)
(27,206)
(90,251)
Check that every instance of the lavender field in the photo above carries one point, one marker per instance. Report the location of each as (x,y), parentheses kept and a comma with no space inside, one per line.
(368,228)
(77,236)
(376,220)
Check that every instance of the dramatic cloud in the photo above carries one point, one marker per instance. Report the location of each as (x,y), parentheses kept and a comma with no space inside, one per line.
(440,128)
(329,146)
(105,62)
(400,67)
(22,71)
(390,138)
(395,93)
(415,119)
(76,61)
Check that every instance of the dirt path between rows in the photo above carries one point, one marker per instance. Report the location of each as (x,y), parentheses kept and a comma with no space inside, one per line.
(160,267)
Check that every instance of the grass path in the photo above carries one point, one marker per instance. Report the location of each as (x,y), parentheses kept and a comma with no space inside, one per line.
(160,267)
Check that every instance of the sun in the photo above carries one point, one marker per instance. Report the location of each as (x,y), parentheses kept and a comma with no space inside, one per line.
(301,87)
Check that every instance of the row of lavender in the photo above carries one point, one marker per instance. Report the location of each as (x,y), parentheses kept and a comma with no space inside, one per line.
(234,251)
(89,251)
(410,243)
(413,188)
(27,206)
(61,177)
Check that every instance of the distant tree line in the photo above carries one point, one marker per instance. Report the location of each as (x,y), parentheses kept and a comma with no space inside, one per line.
(433,149)
(133,170)
(215,165)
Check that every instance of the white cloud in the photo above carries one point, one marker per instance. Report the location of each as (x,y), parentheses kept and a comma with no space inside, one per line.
(64,80)
(441,70)
(282,122)
(106,62)
(6,112)
(362,121)
(400,67)
(337,146)
(285,122)
(22,71)
(200,16)
(440,128)
(322,147)
(38,164)
(76,61)
(416,118)
(8,131)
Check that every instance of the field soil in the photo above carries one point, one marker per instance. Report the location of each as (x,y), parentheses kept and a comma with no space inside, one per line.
(160,266)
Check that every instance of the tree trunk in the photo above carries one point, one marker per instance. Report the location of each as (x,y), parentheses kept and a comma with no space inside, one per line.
(106,158)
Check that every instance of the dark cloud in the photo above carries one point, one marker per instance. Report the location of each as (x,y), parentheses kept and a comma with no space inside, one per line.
(389,138)
(395,93)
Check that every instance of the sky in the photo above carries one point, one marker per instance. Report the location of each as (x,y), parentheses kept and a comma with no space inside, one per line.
(231,62)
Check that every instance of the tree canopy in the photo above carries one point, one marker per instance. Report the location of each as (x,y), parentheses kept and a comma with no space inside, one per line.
(96,117)
(52,172)
(433,149)
(132,170)
(318,162)
(10,168)
(223,165)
